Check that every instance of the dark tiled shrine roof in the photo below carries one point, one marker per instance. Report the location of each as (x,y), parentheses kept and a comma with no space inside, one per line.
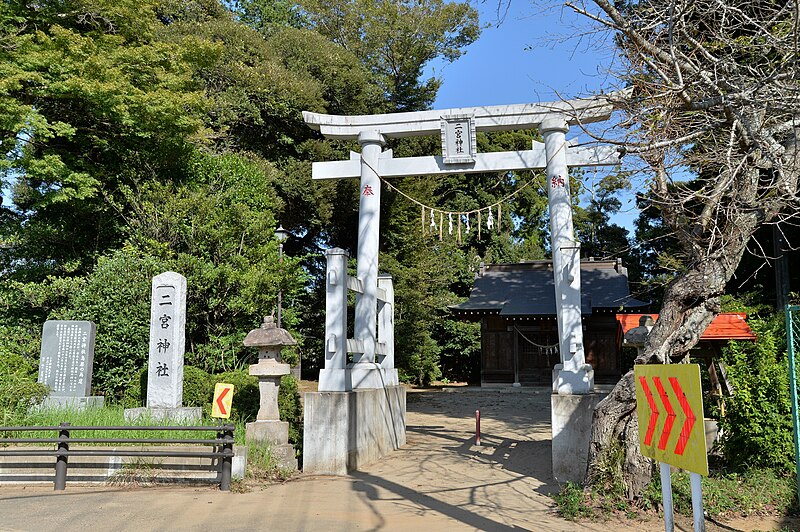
(526,289)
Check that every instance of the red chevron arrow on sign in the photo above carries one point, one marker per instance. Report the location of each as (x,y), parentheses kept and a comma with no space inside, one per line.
(662,443)
(220,404)
(686,429)
(678,442)
(654,413)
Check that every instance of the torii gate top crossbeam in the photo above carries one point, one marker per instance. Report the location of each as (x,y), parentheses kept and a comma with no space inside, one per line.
(487,118)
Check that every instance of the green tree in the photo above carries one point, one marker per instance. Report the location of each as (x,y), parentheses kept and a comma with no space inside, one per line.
(115,295)
(105,106)
(598,236)
(218,231)
(432,269)
(757,426)
(90,100)
(395,39)
(656,255)
(266,16)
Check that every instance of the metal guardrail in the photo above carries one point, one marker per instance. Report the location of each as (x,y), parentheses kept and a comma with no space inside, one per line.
(223,445)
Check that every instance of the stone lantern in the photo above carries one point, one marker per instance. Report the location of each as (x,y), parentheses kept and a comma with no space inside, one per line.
(638,335)
(268,427)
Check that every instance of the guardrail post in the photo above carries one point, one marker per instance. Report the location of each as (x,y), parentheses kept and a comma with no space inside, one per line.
(227,457)
(61,460)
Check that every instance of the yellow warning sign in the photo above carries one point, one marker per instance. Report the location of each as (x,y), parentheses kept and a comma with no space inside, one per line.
(223,397)
(669,405)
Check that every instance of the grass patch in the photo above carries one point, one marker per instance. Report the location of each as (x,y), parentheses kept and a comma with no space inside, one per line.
(140,472)
(262,468)
(574,503)
(262,464)
(755,492)
(112,416)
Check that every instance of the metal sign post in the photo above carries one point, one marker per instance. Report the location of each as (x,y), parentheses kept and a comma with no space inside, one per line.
(666,496)
(790,310)
(669,403)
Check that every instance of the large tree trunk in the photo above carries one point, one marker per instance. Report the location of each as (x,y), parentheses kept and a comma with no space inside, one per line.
(721,99)
(690,304)
(615,421)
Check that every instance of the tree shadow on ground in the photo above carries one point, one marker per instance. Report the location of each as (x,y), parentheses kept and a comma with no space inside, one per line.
(516,442)
(369,484)
(530,458)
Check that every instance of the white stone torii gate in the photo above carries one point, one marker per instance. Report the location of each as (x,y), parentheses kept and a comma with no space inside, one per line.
(573,375)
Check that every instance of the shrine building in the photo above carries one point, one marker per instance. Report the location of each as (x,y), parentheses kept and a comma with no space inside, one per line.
(515,304)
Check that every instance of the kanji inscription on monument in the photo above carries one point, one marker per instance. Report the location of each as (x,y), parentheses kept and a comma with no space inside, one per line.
(67,357)
(167,324)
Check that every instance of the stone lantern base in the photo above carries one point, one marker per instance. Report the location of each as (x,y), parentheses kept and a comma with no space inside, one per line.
(276,434)
(268,427)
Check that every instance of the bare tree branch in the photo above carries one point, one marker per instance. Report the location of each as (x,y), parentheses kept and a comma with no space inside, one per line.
(714,118)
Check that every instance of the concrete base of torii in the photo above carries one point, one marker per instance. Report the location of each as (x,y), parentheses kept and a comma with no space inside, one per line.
(571,425)
(569,382)
(343,431)
(572,410)
(366,375)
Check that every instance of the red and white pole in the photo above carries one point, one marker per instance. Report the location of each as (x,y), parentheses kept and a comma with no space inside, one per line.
(477,427)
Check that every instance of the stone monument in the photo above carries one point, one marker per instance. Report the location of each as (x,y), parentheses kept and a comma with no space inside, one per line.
(66,364)
(268,427)
(167,341)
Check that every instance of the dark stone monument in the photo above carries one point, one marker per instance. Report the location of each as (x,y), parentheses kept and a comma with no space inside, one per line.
(66,363)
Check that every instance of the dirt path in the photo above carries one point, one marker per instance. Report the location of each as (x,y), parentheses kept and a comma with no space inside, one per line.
(439,480)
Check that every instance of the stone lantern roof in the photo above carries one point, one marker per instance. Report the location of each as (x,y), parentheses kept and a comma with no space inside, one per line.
(268,335)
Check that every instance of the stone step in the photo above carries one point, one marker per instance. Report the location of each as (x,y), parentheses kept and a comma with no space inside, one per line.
(284,455)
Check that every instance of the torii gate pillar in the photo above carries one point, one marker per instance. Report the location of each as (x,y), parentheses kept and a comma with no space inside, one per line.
(573,375)
(573,380)
(369,221)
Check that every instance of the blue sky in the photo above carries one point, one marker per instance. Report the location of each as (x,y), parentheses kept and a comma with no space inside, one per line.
(532,56)
(529,57)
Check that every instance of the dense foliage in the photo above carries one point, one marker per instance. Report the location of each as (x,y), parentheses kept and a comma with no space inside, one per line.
(18,387)
(757,426)
(141,137)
